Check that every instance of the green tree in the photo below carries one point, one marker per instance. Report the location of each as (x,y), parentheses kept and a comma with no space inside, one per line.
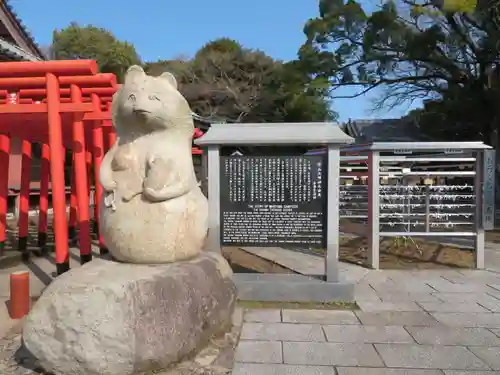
(90,42)
(226,81)
(442,51)
(221,45)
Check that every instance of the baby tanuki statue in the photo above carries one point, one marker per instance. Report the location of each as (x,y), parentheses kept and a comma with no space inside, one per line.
(164,298)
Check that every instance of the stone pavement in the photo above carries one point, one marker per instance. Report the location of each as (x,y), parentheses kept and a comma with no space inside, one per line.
(410,323)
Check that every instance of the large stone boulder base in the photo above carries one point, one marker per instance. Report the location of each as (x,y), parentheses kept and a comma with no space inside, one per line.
(114,318)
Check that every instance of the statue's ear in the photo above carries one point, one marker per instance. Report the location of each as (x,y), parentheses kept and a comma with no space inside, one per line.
(170,78)
(134,72)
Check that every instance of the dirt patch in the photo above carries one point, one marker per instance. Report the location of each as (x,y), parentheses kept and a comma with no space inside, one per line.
(493,236)
(400,253)
(242,261)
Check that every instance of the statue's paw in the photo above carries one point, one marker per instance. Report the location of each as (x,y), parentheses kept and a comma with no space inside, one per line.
(129,195)
(109,186)
(109,200)
(150,194)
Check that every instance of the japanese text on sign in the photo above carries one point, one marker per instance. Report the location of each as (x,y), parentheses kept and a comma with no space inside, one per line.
(270,201)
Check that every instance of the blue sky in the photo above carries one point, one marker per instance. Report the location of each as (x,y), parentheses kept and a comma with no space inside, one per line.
(162,29)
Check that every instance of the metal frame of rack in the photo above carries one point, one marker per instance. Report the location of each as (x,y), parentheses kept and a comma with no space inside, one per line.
(353,202)
(430,189)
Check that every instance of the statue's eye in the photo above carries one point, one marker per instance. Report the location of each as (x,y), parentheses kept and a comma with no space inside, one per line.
(153,97)
(131,97)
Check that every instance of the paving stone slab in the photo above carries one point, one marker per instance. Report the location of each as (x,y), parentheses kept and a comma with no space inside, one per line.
(475,273)
(373,306)
(496,331)
(495,286)
(259,352)
(319,316)
(407,277)
(444,335)
(429,356)
(378,278)
(363,288)
(489,320)
(457,372)
(490,278)
(384,371)
(350,273)
(283,332)
(471,272)
(367,334)
(407,297)
(263,315)
(435,274)
(396,318)
(452,307)
(417,284)
(366,293)
(491,305)
(449,287)
(279,369)
(494,294)
(464,297)
(330,354)
(490,355)
(398,288)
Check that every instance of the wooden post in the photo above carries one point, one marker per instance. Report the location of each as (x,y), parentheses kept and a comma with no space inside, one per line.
(80,174)
(44,198)
(98,152)
(4,187)
(20,300)
(57,174)
(24,199)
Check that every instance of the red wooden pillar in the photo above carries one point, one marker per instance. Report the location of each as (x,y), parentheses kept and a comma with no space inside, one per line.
(98,148)
(72,204)
(44,198)
(4,178)
(81,185)
(24,199)
(57,174)
(88,161)
(4,187)
(72,197)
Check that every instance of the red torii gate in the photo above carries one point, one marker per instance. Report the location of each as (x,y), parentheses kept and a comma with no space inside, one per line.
(61,105)
(50,102)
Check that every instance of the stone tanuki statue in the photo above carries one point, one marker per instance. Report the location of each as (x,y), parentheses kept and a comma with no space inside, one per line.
(153,210)
(165,302)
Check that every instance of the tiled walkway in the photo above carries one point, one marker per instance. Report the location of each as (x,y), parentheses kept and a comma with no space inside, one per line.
(410,323)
